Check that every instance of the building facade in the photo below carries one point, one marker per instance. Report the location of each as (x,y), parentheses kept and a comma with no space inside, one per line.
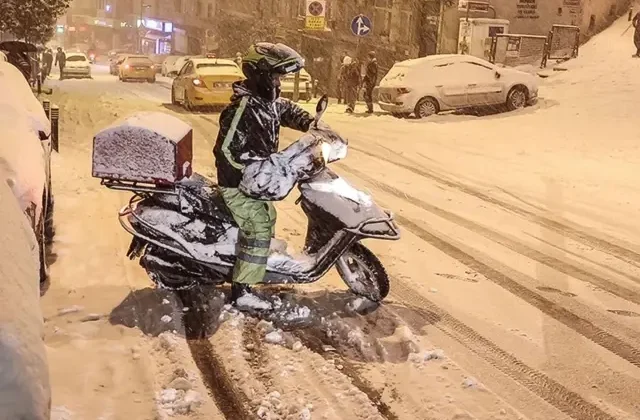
(394,34)
(148,26)
(535,17)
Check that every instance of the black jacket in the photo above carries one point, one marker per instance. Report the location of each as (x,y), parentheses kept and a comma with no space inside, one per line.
(371,75)
(61,58)
(256,134)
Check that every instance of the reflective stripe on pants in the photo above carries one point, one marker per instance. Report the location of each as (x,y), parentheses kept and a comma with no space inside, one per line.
(256,220)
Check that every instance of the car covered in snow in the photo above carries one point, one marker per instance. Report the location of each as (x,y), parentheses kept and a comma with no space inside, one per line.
(168,65)
(174,69)
(429,85)
(137,67)
(114,63)
(287,85)
(25,154)
(76,65)
(205,82)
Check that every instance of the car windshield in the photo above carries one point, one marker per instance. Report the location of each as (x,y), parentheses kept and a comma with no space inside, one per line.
(76,58)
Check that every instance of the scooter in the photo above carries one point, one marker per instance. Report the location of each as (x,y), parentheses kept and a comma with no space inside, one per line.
(185,236)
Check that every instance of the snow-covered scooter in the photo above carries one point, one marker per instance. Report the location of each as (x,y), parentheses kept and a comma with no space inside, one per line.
(184,234)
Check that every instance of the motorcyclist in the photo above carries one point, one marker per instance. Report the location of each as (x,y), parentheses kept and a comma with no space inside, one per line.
(249,131)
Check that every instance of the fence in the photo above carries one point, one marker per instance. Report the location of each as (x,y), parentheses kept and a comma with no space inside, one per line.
(563,43)
(516,49)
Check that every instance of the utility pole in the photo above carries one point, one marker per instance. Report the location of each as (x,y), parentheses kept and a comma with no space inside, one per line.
(139,28)
(440,27)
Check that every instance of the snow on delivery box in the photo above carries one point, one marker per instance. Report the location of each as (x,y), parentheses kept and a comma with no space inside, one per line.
(148,147)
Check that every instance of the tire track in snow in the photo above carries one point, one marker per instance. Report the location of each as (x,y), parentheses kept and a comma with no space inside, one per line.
(535,381)
(562,266)
(315,341)
(484,265)
(578,233)
(229,400)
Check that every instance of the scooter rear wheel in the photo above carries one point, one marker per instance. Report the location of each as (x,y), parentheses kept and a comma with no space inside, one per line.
(363,273)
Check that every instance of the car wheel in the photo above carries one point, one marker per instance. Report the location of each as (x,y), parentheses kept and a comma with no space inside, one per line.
(401,115)
(426,107)
(187,103)
(517,98)
(152,80)
(173,97)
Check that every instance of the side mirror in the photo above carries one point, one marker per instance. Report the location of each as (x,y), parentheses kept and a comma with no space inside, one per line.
(322,105)
(498,75)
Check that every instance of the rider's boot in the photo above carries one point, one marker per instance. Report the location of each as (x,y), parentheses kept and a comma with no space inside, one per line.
(245,299)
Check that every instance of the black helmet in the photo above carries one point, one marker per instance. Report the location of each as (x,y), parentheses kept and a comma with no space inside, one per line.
(263,65)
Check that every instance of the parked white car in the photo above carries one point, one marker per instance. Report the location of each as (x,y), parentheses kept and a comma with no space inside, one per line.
(173,68)
(25,153)
(168,64)
(428,85)
(77,65)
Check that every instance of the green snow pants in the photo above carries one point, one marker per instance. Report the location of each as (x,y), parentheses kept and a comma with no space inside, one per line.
(256,220)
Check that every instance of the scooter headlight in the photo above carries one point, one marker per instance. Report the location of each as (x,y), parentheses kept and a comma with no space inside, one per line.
(326,151)
(333,152)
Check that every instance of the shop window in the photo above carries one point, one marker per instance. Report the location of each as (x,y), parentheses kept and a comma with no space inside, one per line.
(199,10)
(592,22)
(559,11)
(210,11)
(612,10)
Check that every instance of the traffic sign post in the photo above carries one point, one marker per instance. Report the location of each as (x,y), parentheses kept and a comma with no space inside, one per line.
(316,11)
(361,26)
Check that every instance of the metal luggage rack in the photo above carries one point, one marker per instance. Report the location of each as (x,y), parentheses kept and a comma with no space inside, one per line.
(138,187)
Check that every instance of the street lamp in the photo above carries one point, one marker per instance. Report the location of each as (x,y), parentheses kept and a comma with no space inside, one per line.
(141,20)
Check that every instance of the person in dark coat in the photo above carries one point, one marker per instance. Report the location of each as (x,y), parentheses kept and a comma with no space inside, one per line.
(341,76)
(61,61)
(370,80)
(249,132)
(636,34)
(351,85)
(47,60)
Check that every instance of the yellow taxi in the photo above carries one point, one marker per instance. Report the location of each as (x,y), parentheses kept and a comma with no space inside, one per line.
(205,81)
(137,67)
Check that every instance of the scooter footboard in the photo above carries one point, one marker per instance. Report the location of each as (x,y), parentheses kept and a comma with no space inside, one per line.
(378,228)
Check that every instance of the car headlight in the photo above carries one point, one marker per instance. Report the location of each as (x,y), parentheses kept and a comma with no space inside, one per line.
(326,151)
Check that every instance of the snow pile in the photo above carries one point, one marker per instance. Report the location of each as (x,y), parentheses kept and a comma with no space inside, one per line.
(178,397)
(22,158)
(17,94)
(172,402)
(146,147)
(428,355)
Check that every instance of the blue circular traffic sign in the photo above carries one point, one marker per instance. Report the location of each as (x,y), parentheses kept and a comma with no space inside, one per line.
(361,25)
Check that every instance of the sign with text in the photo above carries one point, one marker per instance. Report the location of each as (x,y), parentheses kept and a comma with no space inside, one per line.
(473,6)
(316,12)
(527,9)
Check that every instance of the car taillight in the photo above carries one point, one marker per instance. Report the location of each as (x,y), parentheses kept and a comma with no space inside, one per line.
(197,82)
(402,91)
(126,66)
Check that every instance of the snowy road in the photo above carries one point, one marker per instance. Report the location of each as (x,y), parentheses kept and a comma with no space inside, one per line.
(520,261)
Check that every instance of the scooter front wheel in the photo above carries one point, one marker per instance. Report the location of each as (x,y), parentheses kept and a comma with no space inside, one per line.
(363,273)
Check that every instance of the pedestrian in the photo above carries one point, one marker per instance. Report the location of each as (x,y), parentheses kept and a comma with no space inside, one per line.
(249,131)
(370,80)
(636,34)
(61,61)
(239,59)
(352,84)
(47,59)
(341,77)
